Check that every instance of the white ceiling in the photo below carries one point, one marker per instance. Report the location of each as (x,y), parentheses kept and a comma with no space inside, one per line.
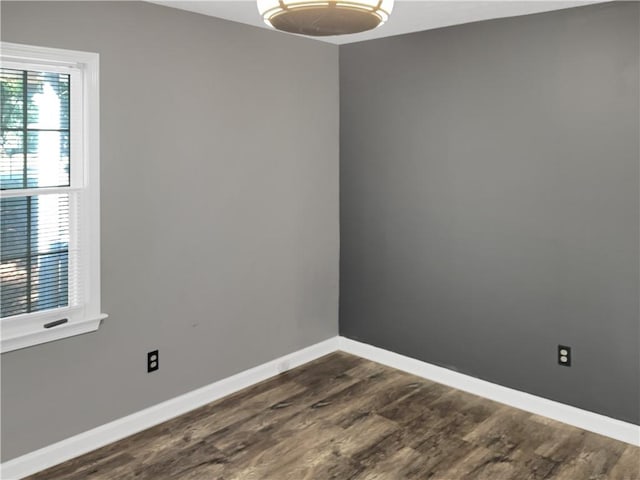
(408,15)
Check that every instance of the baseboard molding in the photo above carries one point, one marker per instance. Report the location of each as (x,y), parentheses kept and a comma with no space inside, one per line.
(72,447)
(610,427)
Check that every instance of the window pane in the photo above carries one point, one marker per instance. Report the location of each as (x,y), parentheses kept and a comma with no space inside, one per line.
(14,228)
(48,159)
(13,274)
(12,171)
(48,101)
(11,97)
(35,253)
(49,281)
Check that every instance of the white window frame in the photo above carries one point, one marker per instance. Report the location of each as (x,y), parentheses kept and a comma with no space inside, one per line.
(24,330)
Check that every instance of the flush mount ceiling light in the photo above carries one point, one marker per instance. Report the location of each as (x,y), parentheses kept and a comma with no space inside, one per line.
(328,17)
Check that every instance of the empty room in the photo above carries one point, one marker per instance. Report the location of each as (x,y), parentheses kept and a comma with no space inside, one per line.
(320,239)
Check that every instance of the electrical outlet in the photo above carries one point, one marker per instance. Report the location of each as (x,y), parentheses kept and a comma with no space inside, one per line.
(152,361)
(564,355)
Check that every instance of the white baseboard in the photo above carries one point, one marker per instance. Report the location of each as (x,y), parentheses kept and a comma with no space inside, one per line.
(610,427)
(72,447)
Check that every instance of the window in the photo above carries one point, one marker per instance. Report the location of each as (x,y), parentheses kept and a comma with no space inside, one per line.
(49,195)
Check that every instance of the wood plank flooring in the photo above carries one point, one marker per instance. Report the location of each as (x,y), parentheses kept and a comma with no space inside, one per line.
(346,418)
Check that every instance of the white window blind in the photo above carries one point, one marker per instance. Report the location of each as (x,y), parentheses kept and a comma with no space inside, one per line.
(49,197)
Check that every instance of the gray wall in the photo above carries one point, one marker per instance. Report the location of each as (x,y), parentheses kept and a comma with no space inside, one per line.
(489,201)
(219,211)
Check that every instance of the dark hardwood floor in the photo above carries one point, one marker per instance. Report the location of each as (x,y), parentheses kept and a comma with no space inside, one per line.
(342,417)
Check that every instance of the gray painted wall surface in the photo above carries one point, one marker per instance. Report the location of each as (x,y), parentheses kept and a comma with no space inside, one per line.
(219,211)
(489,201)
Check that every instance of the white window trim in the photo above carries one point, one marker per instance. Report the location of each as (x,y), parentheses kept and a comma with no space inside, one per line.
(22,331)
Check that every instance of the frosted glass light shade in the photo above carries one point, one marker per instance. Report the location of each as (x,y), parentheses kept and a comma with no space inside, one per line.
(325,17)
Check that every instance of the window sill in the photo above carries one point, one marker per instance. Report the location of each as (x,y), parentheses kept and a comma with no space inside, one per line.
(33,336)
